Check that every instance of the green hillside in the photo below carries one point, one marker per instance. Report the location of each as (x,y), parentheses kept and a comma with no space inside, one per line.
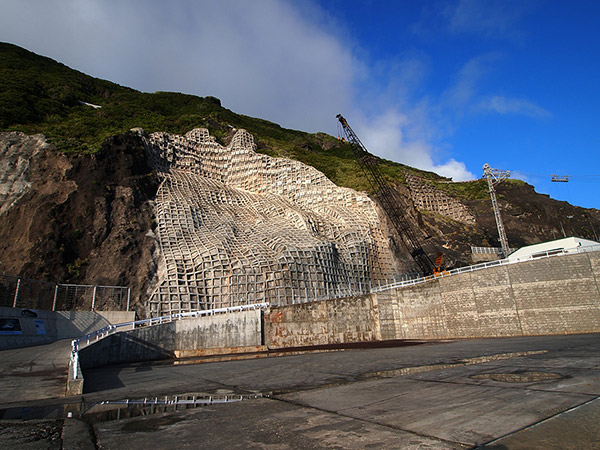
(40,95)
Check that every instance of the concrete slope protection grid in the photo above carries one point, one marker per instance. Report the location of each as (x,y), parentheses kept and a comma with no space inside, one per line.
(237,227)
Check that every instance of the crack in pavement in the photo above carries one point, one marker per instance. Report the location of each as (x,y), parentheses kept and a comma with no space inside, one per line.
(374,422)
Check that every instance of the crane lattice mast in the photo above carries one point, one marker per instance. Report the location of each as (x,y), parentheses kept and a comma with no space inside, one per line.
(495,176)
(368,164)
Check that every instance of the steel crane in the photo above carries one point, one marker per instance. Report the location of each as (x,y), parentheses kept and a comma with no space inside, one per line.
(389,203)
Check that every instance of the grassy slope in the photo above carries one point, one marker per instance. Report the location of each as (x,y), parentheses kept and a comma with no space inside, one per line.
(40,95)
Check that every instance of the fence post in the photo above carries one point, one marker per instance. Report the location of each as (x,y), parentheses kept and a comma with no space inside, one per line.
(94,298)
(17,292)
(55,295)
(128,297)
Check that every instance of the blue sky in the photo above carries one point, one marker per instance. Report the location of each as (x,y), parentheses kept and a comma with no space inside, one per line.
(440,85)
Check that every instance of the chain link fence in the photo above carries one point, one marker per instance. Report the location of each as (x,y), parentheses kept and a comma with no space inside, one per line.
(24,293)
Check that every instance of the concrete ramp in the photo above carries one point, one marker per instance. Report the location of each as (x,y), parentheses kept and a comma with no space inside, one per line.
(34,373)
(26,327)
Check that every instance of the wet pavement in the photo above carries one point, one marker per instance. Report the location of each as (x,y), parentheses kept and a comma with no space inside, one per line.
(513,393)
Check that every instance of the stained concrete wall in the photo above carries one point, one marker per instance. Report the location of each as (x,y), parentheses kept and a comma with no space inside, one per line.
(240,329)
(26,327)
(326,322)
(557,295)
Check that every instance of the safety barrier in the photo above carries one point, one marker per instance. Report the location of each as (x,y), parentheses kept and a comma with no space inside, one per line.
(486,265)
(76,344)
(17,292)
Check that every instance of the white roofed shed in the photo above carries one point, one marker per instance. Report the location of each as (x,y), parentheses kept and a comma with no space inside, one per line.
(570,244)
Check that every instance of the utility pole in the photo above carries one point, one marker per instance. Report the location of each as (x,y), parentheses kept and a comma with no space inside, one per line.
(495,176)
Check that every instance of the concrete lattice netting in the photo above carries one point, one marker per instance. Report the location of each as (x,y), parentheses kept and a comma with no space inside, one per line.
(236,227)
(426,197)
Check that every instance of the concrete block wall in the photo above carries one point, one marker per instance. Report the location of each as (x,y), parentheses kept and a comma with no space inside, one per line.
(142,344)
(558,295)
(243,329)
(545,296)
(353,319)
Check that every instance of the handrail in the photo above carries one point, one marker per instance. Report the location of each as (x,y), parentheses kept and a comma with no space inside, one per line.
(485,265)
(110,329)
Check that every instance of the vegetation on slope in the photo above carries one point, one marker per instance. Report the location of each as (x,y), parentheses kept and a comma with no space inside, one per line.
(40,95)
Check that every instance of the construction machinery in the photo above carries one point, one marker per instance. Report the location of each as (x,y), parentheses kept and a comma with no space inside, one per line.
(495,176)
(388,202)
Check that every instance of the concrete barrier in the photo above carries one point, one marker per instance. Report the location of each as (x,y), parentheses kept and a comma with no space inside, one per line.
(164,341)
(557,295)
(353,319)
(26,327)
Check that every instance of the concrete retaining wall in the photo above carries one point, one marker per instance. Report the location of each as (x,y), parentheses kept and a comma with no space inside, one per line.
(326,322)
(25,327)
(240,329)
(557,295)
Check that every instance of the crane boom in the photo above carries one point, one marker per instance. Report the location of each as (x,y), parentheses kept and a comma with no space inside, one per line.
(495,176)
(384,192)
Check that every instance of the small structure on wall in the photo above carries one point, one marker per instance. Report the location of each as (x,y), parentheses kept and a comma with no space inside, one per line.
(568,245)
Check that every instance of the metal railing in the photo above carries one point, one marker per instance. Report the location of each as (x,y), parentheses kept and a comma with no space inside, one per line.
(486,250)
(17,292)
(486,265)
(489,250)
(185,400)
(76,344)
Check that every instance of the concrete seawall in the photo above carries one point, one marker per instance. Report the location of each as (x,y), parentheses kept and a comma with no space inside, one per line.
(558,295)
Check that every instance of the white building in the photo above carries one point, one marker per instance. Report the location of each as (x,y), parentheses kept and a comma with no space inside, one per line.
(568,245)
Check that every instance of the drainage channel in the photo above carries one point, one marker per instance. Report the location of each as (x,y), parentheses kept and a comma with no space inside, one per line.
(104,411)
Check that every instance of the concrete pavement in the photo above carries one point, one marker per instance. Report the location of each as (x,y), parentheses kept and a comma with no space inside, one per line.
(34,373)
(535,392)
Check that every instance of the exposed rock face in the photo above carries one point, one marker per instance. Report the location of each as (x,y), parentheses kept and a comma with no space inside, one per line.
(237,227)
(80,219)
(16,150)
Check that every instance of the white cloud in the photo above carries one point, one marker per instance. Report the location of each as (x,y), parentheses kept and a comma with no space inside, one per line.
(518,175)
(262,58)
(504,105)
(465,95)
(269,58)
(466,88)
(386,136)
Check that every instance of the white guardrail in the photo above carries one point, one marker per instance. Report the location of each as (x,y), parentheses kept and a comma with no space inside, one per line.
(485,265)
(76,344)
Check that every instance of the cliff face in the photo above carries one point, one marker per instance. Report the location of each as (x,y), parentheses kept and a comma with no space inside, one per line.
(189,223)
(80,219)
(454,223)
(208,226)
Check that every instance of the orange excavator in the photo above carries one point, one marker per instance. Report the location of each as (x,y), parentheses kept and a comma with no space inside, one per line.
(439,268)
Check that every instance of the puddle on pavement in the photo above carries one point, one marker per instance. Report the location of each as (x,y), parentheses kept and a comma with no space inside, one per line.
(94,412)
(518,377)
